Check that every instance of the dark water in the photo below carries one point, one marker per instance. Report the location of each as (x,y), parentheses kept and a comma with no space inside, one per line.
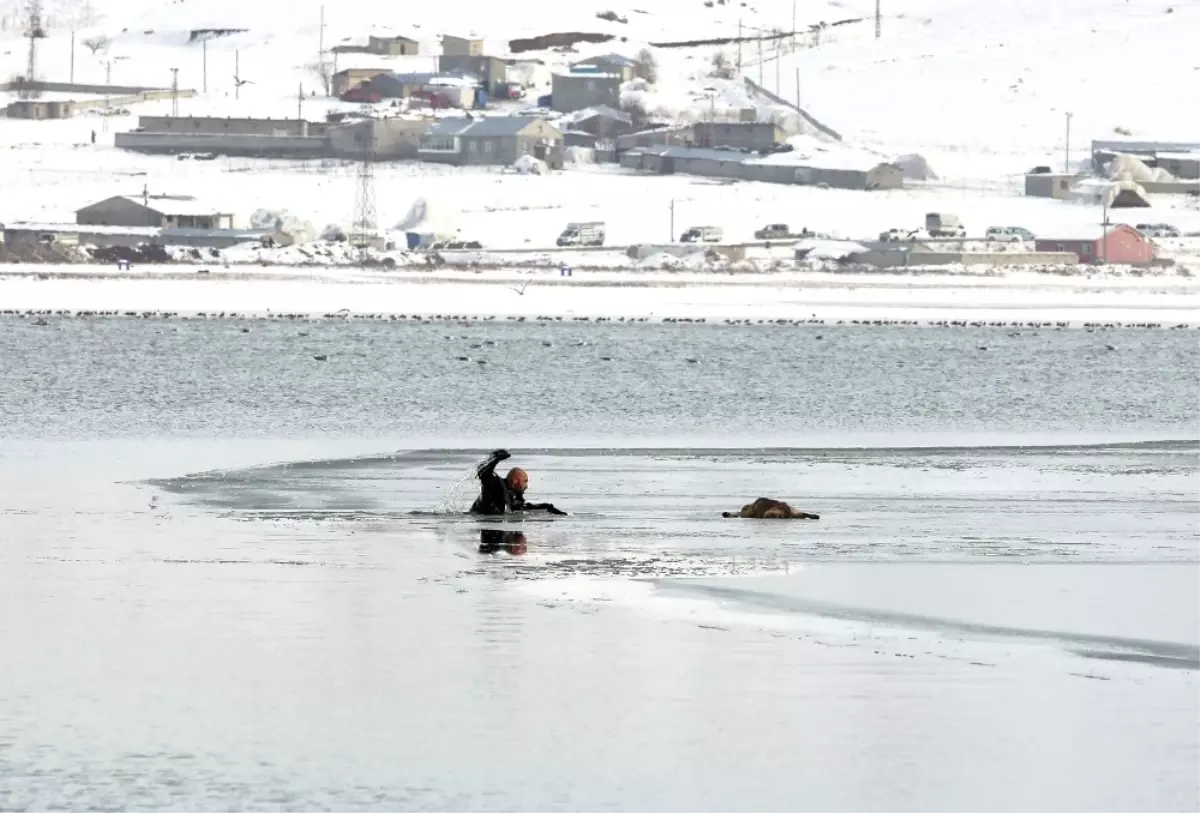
(233,577)
(107,378)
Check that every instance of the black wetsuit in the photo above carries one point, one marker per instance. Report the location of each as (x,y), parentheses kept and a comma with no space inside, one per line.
(495,497)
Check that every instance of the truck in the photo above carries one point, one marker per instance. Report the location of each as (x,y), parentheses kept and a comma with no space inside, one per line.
(940,224)
(773,231)
(582,234)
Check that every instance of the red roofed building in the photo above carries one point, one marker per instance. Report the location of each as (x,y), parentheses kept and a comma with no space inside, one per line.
(1120,245)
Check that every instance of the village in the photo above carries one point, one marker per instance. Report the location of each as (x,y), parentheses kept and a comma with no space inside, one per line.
(517,113)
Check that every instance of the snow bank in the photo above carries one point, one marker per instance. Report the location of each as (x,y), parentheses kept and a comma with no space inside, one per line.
(649,295)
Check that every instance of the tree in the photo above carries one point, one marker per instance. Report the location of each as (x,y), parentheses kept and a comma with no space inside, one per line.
(97,44)
(720,68)
(647,66)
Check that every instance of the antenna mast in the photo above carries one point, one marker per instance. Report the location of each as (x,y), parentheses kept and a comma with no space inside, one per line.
(364,205)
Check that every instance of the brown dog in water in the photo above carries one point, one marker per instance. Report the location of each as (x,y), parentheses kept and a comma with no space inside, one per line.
(764,508)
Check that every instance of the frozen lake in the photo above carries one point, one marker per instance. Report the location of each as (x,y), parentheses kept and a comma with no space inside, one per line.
(235,576)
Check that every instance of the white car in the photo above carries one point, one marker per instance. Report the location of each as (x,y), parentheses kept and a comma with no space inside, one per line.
(1009,234)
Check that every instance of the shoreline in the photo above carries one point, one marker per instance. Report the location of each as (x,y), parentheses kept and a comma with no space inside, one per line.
(649,296)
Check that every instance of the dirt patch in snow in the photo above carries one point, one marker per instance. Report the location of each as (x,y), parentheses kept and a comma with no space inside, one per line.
(562,39)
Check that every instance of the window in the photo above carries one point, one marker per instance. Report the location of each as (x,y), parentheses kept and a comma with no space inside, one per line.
(489,147)
(1086,249)
(439,143)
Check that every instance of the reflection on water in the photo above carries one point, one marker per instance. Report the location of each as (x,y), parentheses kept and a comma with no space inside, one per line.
(496,541)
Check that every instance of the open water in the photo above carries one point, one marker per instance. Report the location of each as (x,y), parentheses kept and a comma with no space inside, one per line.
(235,576)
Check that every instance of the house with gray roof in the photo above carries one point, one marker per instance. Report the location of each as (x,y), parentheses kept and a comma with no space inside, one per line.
(491,140)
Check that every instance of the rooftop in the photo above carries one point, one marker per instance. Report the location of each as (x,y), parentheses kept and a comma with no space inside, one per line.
(703,153)
(481,126)
(599,110)
(172,205)
(1080,233)
(573,74)
(611,59)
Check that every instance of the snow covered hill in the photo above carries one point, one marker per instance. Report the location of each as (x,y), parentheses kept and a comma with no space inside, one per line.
(980,89)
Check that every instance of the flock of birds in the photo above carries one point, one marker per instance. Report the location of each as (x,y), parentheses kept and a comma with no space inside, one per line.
(39,318)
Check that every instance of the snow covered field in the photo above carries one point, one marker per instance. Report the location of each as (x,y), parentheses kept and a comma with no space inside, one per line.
(614,295)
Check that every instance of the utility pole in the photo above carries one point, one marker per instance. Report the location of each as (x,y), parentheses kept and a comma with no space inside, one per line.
(878,26)
(760,58)
(797,88)
(72,54)
(174,92)
(739,62)
(204,63)
(300,103)
(321,52)
(672,220)
(777,56)
(793,25)
(237,80)
(1067,147)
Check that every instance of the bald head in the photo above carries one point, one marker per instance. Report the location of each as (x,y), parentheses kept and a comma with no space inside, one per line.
(517,480)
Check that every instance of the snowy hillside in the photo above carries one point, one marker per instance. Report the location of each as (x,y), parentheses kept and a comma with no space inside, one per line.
(981,90)
(954,79)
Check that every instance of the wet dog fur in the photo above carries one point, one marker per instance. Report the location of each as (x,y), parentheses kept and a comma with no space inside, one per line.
(766,508)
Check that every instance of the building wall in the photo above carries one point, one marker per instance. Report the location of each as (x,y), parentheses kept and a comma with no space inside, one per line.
(261,146)
(1127,246)
(492,71)
(885,176)
(626,72)
(1120,246)
(739,135)
(1049,185)
(213,125)
(393,46)
(461,46)
(570,93)
(353,77)
(393,139)
(22,237)
(1182,167)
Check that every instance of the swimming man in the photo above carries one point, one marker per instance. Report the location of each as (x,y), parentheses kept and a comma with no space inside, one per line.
(504,495)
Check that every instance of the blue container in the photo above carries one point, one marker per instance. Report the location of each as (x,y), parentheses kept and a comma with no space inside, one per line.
(481,98)
(545,101)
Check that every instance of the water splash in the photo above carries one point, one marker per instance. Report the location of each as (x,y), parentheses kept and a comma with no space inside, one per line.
(459,494)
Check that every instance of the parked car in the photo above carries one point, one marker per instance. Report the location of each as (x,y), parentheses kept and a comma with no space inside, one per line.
(941,224)
(1009,234)
(702,234)
(456,245)
(775,231)
(1157,229)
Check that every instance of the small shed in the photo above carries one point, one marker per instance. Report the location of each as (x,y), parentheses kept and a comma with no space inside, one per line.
(1119,244)
(1050,185)
(352,78)
(462,46)
(602,121)
(399,85)
(393,46)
